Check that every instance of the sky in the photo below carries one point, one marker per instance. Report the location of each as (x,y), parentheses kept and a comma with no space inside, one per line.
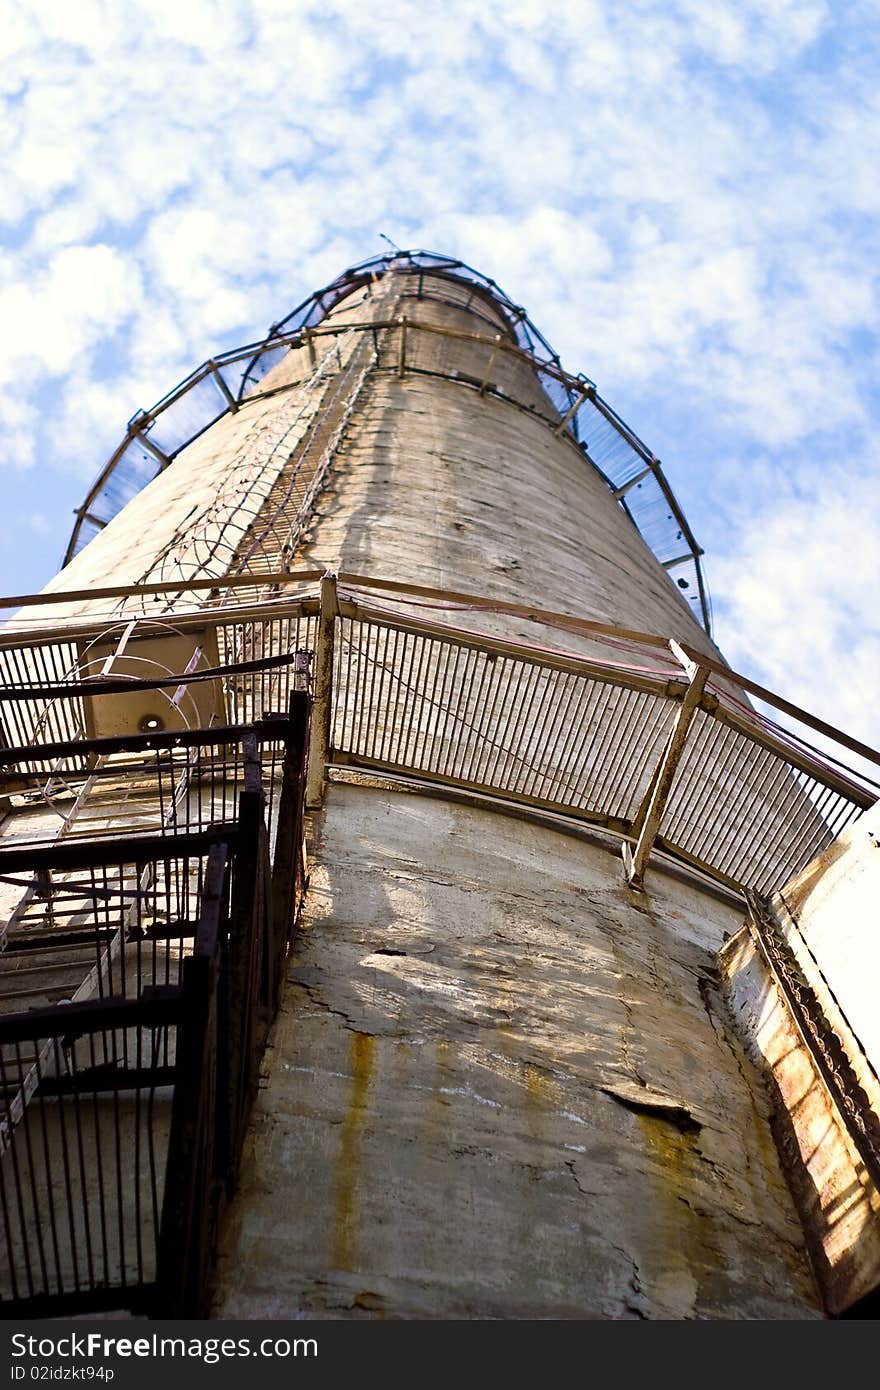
(682,193)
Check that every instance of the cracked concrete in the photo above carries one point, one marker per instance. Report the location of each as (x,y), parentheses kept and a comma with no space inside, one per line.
(516,1102)
(501,1082)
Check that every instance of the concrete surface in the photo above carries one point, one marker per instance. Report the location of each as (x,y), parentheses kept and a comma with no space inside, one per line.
(502,1086)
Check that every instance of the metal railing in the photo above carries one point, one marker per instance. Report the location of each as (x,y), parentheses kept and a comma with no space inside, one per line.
(47,678)
(590,736)
(672,759)
(122,1114)
(163,784)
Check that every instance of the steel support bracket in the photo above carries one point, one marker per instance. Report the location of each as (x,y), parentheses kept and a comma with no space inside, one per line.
(401,357)
(490,366)
(223,388)
(573,409)
(319,739)
(646,824)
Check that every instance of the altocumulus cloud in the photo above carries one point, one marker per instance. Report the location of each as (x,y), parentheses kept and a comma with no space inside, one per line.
(683,195)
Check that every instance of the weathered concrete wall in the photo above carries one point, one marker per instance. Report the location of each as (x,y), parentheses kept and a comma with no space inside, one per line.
(826,918)
(838,1202)
(502,1085)
(834,902)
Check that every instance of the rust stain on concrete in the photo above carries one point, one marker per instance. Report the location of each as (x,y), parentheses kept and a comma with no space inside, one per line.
(348,1171)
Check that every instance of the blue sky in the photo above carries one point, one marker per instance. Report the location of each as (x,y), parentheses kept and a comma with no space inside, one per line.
(683,194)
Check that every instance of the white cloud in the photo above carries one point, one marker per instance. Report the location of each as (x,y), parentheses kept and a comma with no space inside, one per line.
(795,581)
(18,430)
(82,296)
(759,34)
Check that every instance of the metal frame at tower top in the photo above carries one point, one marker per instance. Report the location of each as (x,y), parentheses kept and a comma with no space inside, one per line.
(223,384)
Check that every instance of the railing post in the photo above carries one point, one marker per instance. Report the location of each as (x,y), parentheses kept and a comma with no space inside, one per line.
(574,408)
(137,429)
(646,823)
(490,365)
(286,873)
(244,952)
(187,1227)
(225,392)
(319,740)
(632,482)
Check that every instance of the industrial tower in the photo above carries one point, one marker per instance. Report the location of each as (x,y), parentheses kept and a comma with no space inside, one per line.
(406,912)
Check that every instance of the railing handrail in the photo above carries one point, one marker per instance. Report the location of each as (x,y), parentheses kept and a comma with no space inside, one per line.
(219,735)
(443,597)
(645,664)
(351,581)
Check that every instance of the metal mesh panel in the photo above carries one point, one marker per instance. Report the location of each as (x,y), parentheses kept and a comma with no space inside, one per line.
(169,790)
(135,920)
(82,1175)
(512,725)
(544,731)
(746,811)
(188,416)
(32,717)
(253,694)
(257,368)
(134,468)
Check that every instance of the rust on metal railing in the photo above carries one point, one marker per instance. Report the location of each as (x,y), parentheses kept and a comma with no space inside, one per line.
(586,734)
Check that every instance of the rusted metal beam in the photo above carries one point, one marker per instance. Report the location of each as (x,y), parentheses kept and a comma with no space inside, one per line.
(120,849)
(490,364)
(191,1192)
(322,709)
(225,581)
(287,868)
(227,395)
(156,1006)
(649,815)
(632,482)
(117,685)
(244,956)
(574,408)
(267,731)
